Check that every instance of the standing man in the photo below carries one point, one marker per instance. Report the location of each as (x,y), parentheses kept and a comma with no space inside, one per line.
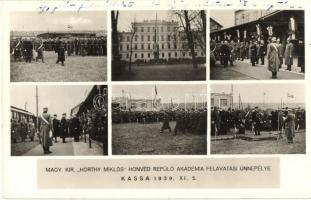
(262,52)
(166,123)
(56,127)
(225,51)
(273,58)
(280,47)
(28,47)
(75,128)
(256,121)
(253,53)
(289,54)
(40,52)
(45,127)
(289,123)
(63,127)
(60,50)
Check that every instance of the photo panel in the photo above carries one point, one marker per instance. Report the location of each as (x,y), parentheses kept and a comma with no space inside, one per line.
(257,44)
(59,120)
(159,119)
(258,118)
(62,46)
(159,45)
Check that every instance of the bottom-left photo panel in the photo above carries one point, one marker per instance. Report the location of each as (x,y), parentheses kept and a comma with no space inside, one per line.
(59,120)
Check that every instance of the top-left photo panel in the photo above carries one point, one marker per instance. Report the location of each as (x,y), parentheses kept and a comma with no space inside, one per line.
(67,46)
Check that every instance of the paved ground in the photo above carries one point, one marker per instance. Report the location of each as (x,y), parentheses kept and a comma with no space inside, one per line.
(70,148)
(77,68)
(243,70)
(146,139)
(176,72)
(239,146)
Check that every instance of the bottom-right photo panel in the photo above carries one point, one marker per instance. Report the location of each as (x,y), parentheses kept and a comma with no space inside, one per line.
(261,118)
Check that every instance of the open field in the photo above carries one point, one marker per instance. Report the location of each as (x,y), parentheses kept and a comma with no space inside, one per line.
(77,68)
(173,72)
(146,139)
(239,146)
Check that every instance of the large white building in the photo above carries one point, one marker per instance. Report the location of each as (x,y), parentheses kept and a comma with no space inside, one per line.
(152,39)
(221,100)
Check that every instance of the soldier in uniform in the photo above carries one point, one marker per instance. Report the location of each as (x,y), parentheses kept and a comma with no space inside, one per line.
(273,59)
(63,128)
(24,129)
(40,52)
(28,47)
(166,123)
(60,50)
(75,128)
(56,127)
(225,51)
(17,51)
(253,52)
(280,47)
(45,126)
(261,52)
(15,130)
(288,54)
(289,123)
(31,129)
(256,121)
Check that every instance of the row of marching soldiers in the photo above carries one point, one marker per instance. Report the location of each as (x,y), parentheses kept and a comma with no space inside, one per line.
(191,120)
(257,50)
(32,49)
(257,120)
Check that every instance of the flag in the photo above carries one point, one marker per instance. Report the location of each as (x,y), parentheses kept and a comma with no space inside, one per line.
(155,90)
(290,95)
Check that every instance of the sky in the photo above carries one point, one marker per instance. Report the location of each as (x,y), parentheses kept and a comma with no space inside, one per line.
(58,99)
(224,17)
(59,21)
(254,93)
(127,17)
(178,93)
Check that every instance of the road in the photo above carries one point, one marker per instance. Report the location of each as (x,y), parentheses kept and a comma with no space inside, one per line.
(70,148)
(243,70)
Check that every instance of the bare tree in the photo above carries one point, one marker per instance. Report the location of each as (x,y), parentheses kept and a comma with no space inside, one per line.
(133,32)
(185,20)
(115,43)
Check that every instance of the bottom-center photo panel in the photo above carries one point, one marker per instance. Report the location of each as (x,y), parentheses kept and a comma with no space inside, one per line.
(159,119)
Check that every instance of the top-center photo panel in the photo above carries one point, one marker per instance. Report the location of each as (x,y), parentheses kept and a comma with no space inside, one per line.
(158,45)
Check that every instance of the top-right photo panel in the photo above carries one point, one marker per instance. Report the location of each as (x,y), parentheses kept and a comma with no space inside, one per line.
(257,44)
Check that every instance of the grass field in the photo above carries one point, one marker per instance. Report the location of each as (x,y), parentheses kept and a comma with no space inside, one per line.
(238,146)
(176,72)
(77,68)
(146,139)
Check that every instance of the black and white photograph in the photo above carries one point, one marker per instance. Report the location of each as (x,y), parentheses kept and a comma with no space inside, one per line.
(60,46)
(158,45)
(258,119)
(59,120)
(159,120)
(257,44)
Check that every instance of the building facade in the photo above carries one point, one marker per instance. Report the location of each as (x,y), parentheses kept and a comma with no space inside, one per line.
(214,25)
(126,103)
(155,39)
(221,100)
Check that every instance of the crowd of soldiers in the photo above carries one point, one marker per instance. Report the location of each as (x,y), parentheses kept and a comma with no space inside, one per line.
(22,129)
(32,49)
(254,120)
(227,52)
(191,120)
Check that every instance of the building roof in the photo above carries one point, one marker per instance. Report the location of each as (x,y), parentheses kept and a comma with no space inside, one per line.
(216,22)
(21,110)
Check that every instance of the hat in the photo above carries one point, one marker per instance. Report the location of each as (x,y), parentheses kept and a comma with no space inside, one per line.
(273,39)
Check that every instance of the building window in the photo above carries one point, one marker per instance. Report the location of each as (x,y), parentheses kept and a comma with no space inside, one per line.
(163,46)
(148,38)
(176,54)
(202,54)
(142,55)
(142,29)
(127,47)
(162,37)
(121,38)
(175,46)
(168,38)
(168,45)
(148,46)
(183,54)
(223,102)
(136,37)
(168,29)
(174,36)
(163,55)
(153,38)
(148,55)
(135,47)
(142,38)
(142,46)
(189,53)
(169,54)
(212,101)
(135,55)
(162,29)
(121,47)
(153,29)
(128,38)
(148,29)
(127,55)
